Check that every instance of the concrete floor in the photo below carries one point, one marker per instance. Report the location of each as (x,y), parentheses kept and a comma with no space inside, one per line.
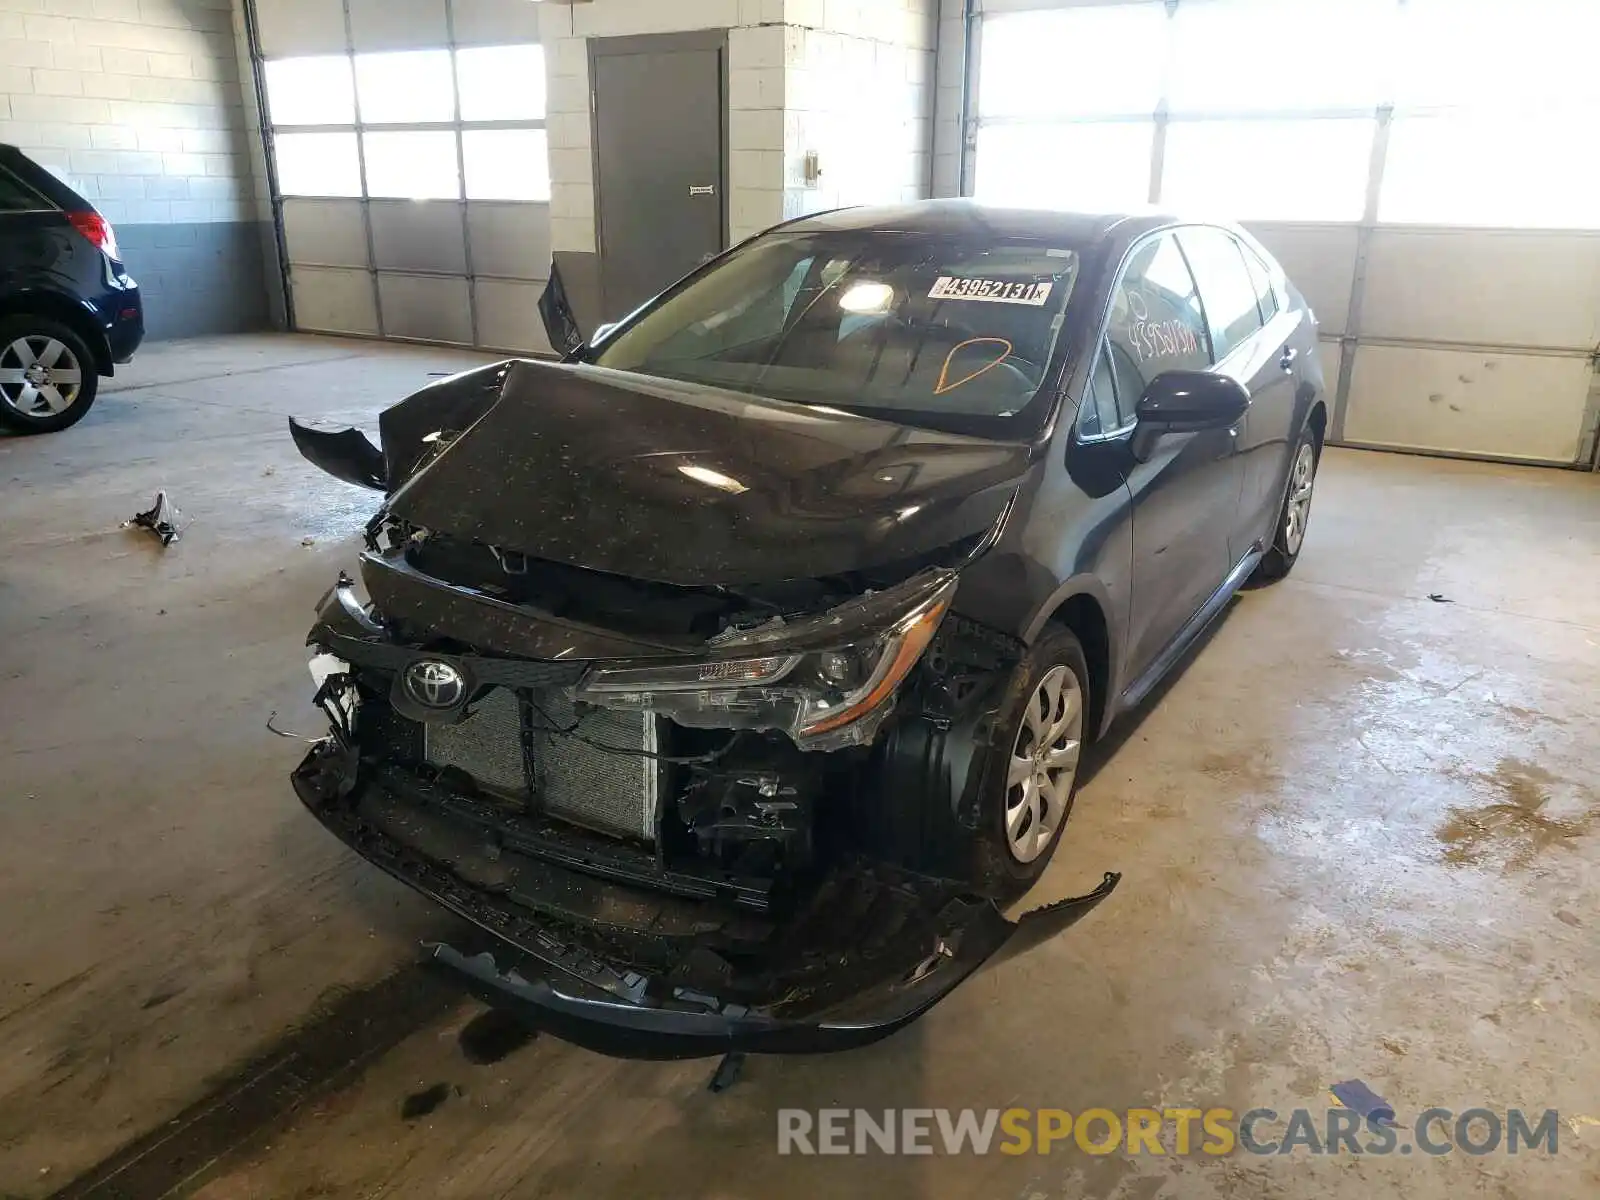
(1360,836)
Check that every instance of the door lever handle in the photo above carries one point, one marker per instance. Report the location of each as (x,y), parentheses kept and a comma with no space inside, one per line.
(1286,361)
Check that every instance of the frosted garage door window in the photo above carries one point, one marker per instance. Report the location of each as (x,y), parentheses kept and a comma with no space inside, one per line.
(318,164)
(501,83)
(310,91)
(1269,170)
(1468,169)
(413,165)
(1103,166)
(1274,55)
(1075,62)
(413,85)
(506,164)
(1532,54)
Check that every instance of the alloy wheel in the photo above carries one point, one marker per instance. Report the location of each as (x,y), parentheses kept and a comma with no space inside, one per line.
(1044,764)
(40,376)
(1302,479)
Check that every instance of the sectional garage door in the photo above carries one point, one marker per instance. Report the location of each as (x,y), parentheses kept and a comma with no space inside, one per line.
(411,166)
(1424,170)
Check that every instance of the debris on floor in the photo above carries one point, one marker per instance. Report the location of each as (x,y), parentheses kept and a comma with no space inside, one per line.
(727,1073)
(162,519)
(1440,598)
(1355,1095)
(308,541)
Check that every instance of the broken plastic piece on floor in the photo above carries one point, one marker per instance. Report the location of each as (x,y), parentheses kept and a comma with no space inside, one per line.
(1354,1094)
(727,1072)
(160,519)
(1440,598)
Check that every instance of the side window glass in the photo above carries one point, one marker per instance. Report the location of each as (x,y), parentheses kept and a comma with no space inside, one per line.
(1100,399)
(1157,323)
(1129,383)
(1261,280)
(1225,286)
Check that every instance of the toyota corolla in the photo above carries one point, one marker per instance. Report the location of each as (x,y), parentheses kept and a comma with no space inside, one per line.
(735,671)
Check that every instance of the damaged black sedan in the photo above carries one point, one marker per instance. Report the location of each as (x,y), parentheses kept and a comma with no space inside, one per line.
(734,672)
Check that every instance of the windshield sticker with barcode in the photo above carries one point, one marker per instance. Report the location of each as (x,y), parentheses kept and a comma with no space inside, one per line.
(995,291)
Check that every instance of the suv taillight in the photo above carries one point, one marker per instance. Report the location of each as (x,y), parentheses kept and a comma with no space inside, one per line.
(97,229)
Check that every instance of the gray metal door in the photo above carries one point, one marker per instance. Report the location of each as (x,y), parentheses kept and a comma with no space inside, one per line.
(658,127)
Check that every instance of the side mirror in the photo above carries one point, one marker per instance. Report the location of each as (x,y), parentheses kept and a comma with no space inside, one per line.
(1186,402)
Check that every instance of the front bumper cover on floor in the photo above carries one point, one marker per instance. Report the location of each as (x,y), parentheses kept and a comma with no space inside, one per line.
(563,980)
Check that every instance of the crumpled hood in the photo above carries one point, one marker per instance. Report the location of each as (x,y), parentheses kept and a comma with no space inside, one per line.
(684,484)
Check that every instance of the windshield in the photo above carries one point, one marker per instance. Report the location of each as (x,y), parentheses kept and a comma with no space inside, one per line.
(912,327)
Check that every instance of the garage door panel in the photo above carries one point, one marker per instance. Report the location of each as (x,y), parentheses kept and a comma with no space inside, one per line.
(398,24)
(511,240)
(325,232)
(425,307)
(1468,402)
(415,235)
(1321,261)
(333,301)
(294,27)
(494,22)
(1328,354)
(1501,288)
(508,316)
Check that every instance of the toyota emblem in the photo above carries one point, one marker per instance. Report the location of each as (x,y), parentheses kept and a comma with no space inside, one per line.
(434,683)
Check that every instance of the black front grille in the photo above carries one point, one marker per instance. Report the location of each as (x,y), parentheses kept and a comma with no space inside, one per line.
(523,743)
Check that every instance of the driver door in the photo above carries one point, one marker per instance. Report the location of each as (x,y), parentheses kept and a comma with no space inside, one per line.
(1185,495)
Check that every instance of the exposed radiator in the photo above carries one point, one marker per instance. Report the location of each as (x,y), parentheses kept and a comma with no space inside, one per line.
(614,793)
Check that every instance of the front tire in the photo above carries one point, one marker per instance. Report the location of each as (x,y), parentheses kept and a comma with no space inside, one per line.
(1038,740)
(1290,534)
(48,378)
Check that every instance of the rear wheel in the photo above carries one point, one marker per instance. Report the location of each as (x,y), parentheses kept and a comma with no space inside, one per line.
(47,375)
(1039,736)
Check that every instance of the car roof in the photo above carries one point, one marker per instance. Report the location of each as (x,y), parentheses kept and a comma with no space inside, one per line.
(971,218)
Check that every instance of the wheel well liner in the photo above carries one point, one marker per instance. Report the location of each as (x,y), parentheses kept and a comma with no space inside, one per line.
(68,312)
(1317,419)
(1083,615)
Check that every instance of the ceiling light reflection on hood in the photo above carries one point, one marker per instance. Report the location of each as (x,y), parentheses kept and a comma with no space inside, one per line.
(710,478)
(867,298)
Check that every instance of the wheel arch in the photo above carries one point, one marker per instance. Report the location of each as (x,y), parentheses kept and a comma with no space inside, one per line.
(1083,608)
(69,312)
(1317,421)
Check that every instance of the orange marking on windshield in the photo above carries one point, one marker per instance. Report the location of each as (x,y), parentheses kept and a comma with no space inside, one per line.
(942,386)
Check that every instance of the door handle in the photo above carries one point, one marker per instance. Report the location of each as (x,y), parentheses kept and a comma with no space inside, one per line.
(1286,360)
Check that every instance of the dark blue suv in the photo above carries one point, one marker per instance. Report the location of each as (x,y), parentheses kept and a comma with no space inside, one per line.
(69,310)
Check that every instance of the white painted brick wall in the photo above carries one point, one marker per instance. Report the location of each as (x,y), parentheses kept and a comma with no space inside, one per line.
(859,95)
(137,103)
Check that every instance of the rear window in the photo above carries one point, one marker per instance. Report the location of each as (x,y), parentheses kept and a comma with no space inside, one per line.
(16,196)
(918,328)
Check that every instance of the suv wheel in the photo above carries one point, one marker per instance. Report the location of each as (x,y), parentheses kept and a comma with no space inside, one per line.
(48,378)
(1038,739)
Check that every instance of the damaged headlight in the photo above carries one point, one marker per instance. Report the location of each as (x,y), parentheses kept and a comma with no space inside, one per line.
(824,697)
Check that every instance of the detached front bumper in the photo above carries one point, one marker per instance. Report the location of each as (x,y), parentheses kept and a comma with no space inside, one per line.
(623,973)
